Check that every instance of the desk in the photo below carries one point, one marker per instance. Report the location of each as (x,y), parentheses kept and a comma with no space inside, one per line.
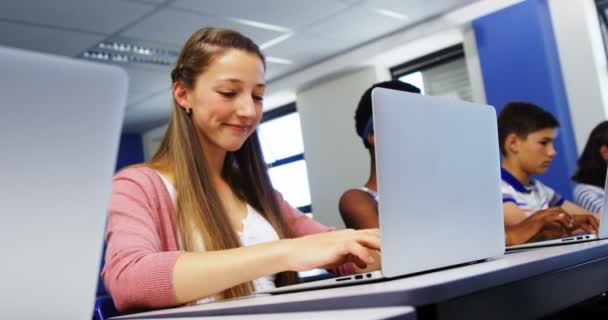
(526,284)
(382,313)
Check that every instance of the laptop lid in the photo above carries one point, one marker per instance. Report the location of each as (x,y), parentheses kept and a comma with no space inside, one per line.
(603,230)
(438,181)
(59,130)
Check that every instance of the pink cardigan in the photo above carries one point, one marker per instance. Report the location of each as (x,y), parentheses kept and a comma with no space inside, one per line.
(142,245)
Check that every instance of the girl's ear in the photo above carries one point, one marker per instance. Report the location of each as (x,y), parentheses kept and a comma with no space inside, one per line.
(181,95)
(370,139)
(604,152)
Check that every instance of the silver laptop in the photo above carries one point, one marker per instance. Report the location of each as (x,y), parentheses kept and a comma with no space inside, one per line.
(602,232)
(438,183)
(60,121)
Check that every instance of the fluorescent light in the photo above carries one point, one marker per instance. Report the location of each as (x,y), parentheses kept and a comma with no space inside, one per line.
(127,47)
(275,41)
(124,58)
(278,60)
(121,52)
(260,25)
(391,13)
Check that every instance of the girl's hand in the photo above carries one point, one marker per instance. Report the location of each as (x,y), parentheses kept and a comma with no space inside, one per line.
(331,249)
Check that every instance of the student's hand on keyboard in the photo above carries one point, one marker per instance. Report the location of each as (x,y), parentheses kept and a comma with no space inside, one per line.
(588,223)
(548,218)
(331,249)
(544,224)
(552,230)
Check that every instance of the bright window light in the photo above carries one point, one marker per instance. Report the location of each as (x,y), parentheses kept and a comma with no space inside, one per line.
(292,181)
(414,78)
(281,138)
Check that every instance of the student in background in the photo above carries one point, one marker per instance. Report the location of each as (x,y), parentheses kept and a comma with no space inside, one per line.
(533,211)
(590,175)
(359,207)
(200,221)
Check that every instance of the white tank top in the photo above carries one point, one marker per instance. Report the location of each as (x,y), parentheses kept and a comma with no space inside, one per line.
(256,229)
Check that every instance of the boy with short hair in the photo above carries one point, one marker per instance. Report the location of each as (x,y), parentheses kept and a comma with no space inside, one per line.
(532,210)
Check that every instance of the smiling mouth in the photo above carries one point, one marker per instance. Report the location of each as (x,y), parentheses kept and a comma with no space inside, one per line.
(238,127)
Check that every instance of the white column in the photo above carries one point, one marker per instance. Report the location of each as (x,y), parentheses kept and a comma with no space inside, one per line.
(336,159)
(583,61)
(471,57)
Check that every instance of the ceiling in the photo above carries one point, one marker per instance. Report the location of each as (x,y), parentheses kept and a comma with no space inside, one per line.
(294,34)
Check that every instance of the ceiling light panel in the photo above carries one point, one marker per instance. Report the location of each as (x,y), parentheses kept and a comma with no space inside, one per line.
(414,9)
(125,52)
(391,14)
(275,41)
(304,49)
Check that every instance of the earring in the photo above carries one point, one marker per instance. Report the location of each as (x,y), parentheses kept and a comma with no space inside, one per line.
(189,111)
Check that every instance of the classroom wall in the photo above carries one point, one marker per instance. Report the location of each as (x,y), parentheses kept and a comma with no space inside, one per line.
(583,63)
(151,141)
(519,62)
(336,159)
(563,33)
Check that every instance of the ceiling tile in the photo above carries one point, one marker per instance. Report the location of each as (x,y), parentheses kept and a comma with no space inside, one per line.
(415,9)
(145,82)
(356,26)
(289,14)
(56,41)
(303,49)
(156,2)
(149,113)
(107,16)
(176,25)
(274,70)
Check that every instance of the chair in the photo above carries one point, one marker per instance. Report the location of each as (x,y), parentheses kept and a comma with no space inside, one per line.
(104,305)
(104,308)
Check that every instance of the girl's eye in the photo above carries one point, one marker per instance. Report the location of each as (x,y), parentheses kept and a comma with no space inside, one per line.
(227,94)
(258,98)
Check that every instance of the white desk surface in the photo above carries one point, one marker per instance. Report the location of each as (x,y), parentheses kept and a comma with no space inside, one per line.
(423,289)
(401,313)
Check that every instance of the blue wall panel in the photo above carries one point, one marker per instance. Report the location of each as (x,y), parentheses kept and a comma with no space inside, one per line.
(519,62)
(131,150)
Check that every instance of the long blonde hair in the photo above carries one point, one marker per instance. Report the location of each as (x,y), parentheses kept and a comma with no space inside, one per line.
(200,213)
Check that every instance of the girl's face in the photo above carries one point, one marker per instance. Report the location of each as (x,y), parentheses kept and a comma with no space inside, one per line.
(226,100)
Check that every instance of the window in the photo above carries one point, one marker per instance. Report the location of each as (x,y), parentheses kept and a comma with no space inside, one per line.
(283,147)
(602,10)
(443,73)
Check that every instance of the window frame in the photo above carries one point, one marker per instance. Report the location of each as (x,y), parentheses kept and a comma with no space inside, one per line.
(428,61)
(274,114)
(602,8)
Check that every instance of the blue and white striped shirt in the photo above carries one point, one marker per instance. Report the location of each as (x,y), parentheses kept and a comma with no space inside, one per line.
(589,197)
(531,198)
